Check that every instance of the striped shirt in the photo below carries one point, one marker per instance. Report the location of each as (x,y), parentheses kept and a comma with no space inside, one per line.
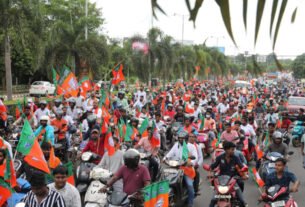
(53,199)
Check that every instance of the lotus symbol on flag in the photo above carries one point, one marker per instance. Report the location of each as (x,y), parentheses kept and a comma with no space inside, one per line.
(159,203)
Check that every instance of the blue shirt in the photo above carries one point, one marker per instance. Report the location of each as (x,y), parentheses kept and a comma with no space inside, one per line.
(284,181)
(227,168)
(49,135)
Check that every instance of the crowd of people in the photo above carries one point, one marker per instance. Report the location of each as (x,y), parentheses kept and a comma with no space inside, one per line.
(227,116)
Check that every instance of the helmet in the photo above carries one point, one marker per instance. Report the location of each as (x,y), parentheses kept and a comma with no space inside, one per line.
(44,118)
(57,100)
(169,105)
(91,119)
(277,135)
(131,158)
(183,135)
(121,93)
(59,112)
(72,100)
(43,102)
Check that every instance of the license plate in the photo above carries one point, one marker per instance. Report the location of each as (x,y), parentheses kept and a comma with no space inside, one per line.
(278,204)
(271,165)
(223,196)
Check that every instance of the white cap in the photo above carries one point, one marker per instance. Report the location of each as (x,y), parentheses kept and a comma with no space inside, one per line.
(44,118)
(30,100)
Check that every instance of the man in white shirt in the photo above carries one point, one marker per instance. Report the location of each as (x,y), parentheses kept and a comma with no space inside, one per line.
(199,161)
(176,153)
(113,164)
(139,103)
(42,111)
(248,129)
(69,193)
(140,93)
(222,107)
(271,117)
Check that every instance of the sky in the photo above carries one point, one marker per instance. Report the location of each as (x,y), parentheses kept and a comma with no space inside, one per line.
(124,18)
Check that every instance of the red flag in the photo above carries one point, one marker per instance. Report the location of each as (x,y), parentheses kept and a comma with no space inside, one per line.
(3,113)
(118,75)
(68,83)
(189,109)
(6,192)
(36,158)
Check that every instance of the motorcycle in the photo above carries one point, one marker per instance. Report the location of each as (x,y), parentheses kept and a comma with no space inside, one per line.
(274,197)
(204,140)
(178,192)
(225,189)
(83,171)
(93,197)
(297,133)
(268,165)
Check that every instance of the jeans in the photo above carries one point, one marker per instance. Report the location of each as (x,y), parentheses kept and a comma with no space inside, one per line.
(153,168)
(190,189)
(196,181)
(303,161)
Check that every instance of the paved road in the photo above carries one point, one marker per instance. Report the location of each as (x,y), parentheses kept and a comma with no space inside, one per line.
(251,192)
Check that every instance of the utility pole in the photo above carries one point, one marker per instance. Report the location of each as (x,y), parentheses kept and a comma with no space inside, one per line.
(86,13)
(8,67)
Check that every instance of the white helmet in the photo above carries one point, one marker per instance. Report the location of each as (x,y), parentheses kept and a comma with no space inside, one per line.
(44,118)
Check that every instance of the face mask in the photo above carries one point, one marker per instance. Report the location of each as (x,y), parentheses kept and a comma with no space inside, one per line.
(208,116)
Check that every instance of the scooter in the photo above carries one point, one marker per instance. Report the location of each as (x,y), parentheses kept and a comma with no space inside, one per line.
(83,171)
(93,197)
(275,195)
(225,189)
(297,133)
(178,192)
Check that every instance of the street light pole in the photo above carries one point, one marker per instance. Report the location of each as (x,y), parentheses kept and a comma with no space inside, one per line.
(86,13)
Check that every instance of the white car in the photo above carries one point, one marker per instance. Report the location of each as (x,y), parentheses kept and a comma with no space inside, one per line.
(41,88)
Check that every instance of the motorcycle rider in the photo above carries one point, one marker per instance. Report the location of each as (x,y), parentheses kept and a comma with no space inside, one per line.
(45,131)
(121,100)
(42,111)
(169,111)
(131,169)
(199,161)
(277,145)
(113,163)
(90,123)
(57,105)
(227,163)
(146,145)
(27,115)
(72,110)
(176,153)
(179,116)
(60,127)
(281,177)
(229,134)
(95,144)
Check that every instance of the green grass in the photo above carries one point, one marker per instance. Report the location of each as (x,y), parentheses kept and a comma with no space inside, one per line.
(14,102)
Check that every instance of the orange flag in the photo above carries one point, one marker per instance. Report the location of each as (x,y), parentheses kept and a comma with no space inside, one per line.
(109,144)
(259,152)
(36,158)
(6,192)
(53,160)
(118,75)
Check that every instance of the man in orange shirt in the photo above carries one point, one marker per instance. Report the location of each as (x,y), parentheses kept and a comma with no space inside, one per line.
(209,123)
(60,127)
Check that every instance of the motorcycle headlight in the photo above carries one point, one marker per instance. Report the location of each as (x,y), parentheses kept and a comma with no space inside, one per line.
(223,189)
(86,156)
